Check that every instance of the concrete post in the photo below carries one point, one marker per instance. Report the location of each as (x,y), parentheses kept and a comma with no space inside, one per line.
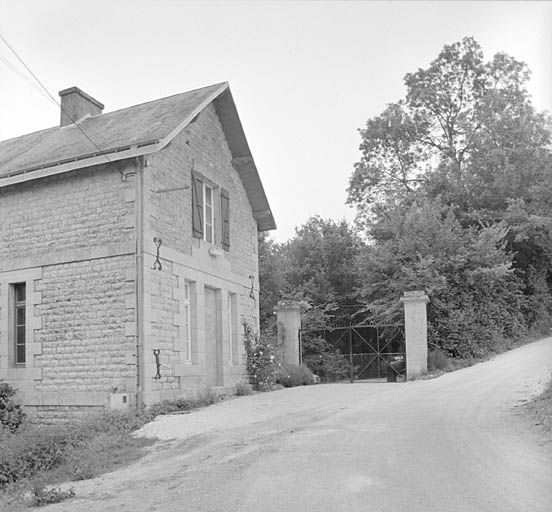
(288,314)
(415,327)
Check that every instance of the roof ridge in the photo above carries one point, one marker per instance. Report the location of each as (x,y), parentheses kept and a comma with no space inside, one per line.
(156,100)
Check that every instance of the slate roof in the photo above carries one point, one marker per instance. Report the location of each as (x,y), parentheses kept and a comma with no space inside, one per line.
(139,125)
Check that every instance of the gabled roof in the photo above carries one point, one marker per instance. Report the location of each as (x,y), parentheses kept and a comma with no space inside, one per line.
(133,131)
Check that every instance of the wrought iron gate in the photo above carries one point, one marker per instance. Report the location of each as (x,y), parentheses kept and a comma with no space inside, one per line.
(369,348)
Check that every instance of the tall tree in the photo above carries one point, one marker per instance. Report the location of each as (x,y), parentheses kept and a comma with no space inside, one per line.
(271,279)
(466,131)
(465,137)
(475,295)
(318,265)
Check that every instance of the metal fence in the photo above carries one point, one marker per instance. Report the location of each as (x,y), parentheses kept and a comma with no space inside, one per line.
(373,351)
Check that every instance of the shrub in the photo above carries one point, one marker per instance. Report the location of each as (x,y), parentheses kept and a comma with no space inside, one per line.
(323,359)
(437,360)
(243,388)
(44,496)
(202,398)
(34,449)
(11,414)
(262,364)
(291,375)
(85,448)
(540,407)
(206,396)
(30,451)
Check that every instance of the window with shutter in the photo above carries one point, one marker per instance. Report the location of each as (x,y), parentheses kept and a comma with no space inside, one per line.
(197,205)
(209,214)
(186,327)
(225,216)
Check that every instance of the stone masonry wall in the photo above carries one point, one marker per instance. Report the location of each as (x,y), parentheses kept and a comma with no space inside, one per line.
(83,313)
(78,210)
(71,239)
(201,147)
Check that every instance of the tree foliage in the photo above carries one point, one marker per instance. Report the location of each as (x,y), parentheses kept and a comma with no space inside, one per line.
(475,295)
(271,279)
(453,189)
(319,265)
(322,262)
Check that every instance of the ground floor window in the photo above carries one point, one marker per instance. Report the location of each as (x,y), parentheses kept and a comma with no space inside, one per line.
(19,322)
(186,327)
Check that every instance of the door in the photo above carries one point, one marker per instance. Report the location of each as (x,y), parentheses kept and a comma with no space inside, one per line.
(213,338)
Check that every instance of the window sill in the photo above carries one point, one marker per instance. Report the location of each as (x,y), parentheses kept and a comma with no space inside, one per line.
(215,251)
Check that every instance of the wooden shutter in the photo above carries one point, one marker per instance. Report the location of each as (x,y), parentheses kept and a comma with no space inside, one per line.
(225,216)
(197,205)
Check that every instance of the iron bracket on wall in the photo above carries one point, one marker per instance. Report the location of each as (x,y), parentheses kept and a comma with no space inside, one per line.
(156,353)
(252,291)
(157,263)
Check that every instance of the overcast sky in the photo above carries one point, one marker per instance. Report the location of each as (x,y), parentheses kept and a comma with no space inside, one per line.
(305,75)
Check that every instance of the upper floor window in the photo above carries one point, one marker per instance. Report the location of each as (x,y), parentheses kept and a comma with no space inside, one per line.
(209,216)
(210,203)
(19,322)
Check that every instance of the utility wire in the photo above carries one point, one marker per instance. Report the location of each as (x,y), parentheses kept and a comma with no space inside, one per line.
(23,76)
(49,95)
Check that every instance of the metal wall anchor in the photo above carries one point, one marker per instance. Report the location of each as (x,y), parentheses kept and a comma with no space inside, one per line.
(252,291)
(156,353)
(157,263)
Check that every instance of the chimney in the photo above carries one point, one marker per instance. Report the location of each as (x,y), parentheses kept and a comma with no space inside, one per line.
(76,105)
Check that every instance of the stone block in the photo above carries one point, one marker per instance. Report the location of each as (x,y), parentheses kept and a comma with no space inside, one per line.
(130,328)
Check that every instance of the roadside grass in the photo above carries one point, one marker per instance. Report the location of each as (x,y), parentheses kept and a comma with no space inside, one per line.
(37,457)
(540,411)
(439,362)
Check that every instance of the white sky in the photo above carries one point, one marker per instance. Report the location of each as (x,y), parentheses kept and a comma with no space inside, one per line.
(305,75)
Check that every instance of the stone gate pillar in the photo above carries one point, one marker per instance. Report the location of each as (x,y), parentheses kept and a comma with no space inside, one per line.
(288,314)
(415,332)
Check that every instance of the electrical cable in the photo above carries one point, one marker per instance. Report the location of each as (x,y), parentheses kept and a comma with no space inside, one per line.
(50,95)
(23,76)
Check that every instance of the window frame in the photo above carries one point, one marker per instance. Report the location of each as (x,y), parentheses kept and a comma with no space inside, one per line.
(187,326)
(210,211)
(209,220)
(17,327)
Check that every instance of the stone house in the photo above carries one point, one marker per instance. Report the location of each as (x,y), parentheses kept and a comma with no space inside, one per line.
(128,252)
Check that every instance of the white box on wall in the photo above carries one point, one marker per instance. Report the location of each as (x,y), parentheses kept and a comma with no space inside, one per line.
(118,401)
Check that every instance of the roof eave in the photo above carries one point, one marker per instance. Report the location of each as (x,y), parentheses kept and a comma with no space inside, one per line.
(243,161)
(54,168)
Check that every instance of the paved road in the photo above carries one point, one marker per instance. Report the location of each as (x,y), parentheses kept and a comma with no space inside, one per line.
(451,444)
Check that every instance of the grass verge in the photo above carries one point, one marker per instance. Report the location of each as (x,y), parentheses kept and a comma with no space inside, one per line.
(440,362)
(36,457)
(540,411)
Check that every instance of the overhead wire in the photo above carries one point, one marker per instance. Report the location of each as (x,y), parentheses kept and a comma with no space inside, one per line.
(80,128)
(23,76)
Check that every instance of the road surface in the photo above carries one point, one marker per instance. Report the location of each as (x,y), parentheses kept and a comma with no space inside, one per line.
(450,444)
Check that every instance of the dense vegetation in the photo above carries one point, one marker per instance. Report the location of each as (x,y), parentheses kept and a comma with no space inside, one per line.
(35,456)
(453,192)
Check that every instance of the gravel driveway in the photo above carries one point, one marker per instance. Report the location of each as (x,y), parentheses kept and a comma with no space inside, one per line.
(455,443)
